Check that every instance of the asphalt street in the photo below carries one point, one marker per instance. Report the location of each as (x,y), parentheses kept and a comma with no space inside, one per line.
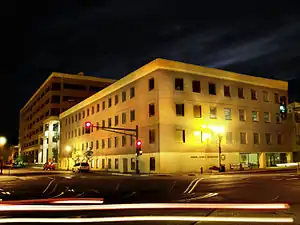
(236,188)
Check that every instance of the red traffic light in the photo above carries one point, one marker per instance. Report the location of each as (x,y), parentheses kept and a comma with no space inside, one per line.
(139,143)
(88,124)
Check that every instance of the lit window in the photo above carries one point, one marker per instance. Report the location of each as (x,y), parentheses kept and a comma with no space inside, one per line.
(213,113)
(255,116)
(227,113)
(255,138)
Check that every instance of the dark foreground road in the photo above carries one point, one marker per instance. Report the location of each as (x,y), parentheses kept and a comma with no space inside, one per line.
(243,188)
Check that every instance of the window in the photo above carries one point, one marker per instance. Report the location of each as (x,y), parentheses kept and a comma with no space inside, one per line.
(255,116)
(123,140)
(279,139)
(116,164)
(132,92)
(103,163)
(102,143)
(109,164)
(276,98)
(131,140)
(92,145)
(226,91)
(116,120)
(243,138)
(103,105)
(98,107)
(180,135)
(241,93)
(97,144)
(55,99)
(151,136)
(151,84)
(255,138)
(132,115)
(116,141)
(212,89)
(93,110)
(227,113)
(151,110)
(179,84)
(79,116)
(123,118)
(253,95)
(132,164)
(123,96)
(109,122)
(196,86)
(242,115)
(88,112)
(109,142)
(197,111)
(83,114)
(268,138)
(265,96)
(179,109)
(152,163)
(267,117)
(103,123)
(228,137)
(213,112)
(109,103)
(278,118)
(116,99)
(55,86)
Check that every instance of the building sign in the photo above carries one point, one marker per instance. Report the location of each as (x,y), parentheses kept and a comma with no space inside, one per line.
(205,157)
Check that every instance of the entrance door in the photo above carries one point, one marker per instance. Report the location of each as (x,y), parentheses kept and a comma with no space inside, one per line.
(125,165)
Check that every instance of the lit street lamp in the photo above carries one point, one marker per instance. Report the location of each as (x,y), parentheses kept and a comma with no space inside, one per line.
(68,149)
(3,141)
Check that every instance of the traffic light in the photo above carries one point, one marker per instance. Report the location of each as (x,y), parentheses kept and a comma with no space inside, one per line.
(88,126)
(139,148)
(282,107)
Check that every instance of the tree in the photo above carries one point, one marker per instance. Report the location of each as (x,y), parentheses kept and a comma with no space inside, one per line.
(88,154)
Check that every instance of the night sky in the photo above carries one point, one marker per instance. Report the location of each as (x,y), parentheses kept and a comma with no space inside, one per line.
(112,38)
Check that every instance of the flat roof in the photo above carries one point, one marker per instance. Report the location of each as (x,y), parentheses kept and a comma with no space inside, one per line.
(164,64)
(67,76)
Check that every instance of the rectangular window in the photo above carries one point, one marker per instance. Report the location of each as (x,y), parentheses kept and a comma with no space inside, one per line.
(92,145)
(103,105)
(196,86)
(228,137)
(109,142)
(278,118)
(152,163)
(116,120)
(123,96)
(241,93)
(180,135)
(268,139)
(151,136)
(98,107)
(267,117)
(151,84)
(213,112)
(276,98)
(102,143)
(88,112)
(179,84)
(123,117)
(132,164)
(93,110)
(116,164)
(109,122)
(255,116)
(151,110)
(132,92)
(109,164)
(97,144)
(116,141)
(83,114)
(242,115)
(226,91)
(243,138)
(103,163)
(132,115)
(255,138)
(212,89)
(103,123)
(227,113)
(197,111)
(109,103)
(179,109)
(265,96)
(123,140)
(279,139)
(253,95)
(116,99)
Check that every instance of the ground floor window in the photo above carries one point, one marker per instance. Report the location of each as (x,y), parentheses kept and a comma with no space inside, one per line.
(275,158)
(132,164)
(116,164)
(103,163)
(109,164)
(249,159)
(152,163)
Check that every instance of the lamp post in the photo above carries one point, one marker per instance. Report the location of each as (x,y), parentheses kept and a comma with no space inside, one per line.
(68,149)
(3,141)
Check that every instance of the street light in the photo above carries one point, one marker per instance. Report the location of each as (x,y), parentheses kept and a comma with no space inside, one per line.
(3,141)
(68,149)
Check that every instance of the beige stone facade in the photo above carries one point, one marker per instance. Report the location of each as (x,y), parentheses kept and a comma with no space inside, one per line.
(182,111)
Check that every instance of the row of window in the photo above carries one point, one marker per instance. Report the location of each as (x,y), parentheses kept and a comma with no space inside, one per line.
(212,90)
(90,111)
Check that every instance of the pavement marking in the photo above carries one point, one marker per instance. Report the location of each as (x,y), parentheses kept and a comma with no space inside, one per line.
(209,195)
(195,184)
(117,187)
(295,178)
(54,189)
(274,199)
(49,184)
(192,182)
(173,185)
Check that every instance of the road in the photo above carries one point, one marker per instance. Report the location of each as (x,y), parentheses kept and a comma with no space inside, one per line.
(236,188)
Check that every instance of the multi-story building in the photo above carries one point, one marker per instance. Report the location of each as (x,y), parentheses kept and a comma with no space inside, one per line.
(183,112)
(39,121)
(294,116)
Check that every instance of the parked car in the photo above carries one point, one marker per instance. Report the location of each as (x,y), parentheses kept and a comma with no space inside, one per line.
(49,166)
(81,167)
